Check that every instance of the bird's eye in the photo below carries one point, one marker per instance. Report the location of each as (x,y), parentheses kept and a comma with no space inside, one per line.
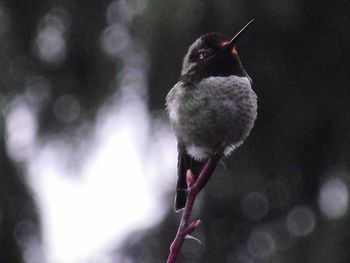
(204,53)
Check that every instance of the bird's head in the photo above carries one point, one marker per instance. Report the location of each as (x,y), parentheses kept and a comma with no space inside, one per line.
(213,54)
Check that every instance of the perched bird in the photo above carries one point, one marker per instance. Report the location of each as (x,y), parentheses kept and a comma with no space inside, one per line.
(212,103)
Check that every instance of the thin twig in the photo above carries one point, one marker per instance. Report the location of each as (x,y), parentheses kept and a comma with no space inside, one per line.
(194,187)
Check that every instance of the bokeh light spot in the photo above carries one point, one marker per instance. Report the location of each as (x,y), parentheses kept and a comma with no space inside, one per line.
(334,198)
(255,206)
(21,130)
(301,221)
(241,256)
(37,90)
(114,40)
(261,243)
(67,108)
(50,43)
(124,10)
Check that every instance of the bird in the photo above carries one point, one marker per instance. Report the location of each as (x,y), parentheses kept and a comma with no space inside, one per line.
(212,103)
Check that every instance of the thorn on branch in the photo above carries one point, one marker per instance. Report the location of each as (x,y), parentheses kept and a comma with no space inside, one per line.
(193,238)
(194,225)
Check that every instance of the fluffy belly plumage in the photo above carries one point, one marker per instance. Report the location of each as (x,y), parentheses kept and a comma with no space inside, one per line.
(216,110)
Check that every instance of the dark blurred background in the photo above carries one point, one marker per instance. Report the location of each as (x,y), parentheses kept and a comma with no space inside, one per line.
(66,66)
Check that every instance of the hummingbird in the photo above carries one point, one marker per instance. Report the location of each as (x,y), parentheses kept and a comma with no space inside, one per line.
(213,103)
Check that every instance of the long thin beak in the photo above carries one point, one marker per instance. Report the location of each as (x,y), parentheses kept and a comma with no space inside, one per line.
(234,40)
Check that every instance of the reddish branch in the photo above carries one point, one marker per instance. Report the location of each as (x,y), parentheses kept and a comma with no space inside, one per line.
(195,185)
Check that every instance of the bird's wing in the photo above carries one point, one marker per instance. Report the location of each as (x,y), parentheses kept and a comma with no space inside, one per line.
(183,164)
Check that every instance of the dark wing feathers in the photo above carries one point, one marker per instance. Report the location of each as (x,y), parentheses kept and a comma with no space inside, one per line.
(184,162)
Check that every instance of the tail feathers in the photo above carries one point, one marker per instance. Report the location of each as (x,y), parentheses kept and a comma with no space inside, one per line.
(180,199)
(183,163)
